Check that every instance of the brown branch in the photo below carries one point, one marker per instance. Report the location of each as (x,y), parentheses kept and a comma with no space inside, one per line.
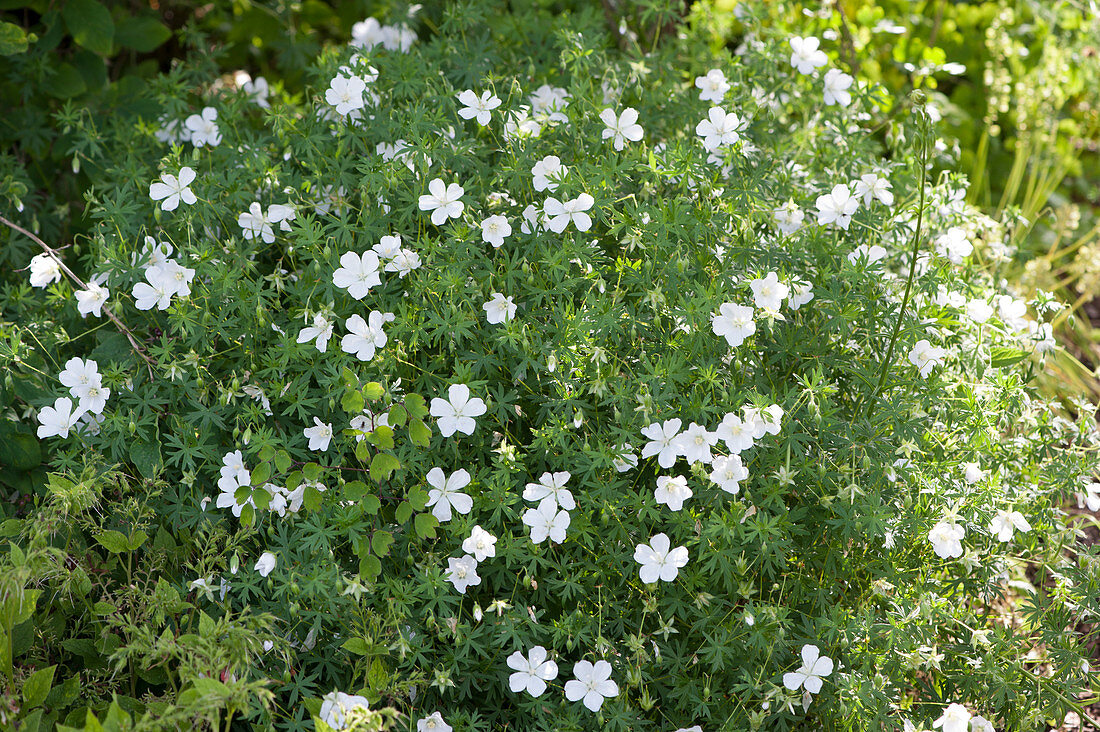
(72,275)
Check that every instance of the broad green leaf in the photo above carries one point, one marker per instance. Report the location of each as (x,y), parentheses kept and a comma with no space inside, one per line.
(425,524)
(113,541)
(419,433)
(414,403)
(1001,356)
(282,461)
(370,567)
(403,513)
(65,82)
(142,33)
(137,539)
(352,401)
(267,452)
(13,39)
(373,390)
(380,543)
(382,466)
(382,437)
(398,415)
(261,473)
(312,472)
(146,456)
(18,450)
(90,24)
(358,646)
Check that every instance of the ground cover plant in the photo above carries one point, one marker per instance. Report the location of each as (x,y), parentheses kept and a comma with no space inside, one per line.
(523,375)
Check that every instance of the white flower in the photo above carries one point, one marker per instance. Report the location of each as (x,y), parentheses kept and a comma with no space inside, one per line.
(462,572)
(388,247)
(622,128)
(624,459)
(868,254)
(480,544)
(954,245)
(44,270)
(319,435)
(551,485)
(146,296)
(434,723)
(737,435)
(175,279)
(204,128)
(954,719)
(1090,498)
(871,186)
(768,293)
(357,274)
(946,539)
(404,262)
(365,336)
(814,668)
(228,486)
(713,86)
(457,412)
(494,229)
(499,309)
(926,357)
(979,310)
(593,684)
(446,493)
(559,215)
(321,330)
(443,201)
(973,472)
(836,88)
(233,468)
(788,218)
(80,375)
(531,672)
(672,491)
(662,442)
(801,293)
(805,56)
(265,564)
(58,419)
(336,705)
(1005,524)
(728,472)
(734,323)
(475,107)
(257,90)
(346,94)
(837,207)
(90,301)
(254,224)
(981,724)
(658,560)
(1013,312)
(550,102)
(546,520)
(519,124)
(548,173)
(695,443)
(720,129)
(171,189)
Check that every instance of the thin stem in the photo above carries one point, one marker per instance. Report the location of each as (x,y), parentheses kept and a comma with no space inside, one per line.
(72,275)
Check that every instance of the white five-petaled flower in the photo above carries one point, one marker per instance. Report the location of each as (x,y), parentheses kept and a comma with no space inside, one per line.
(494,230)
(172,189)
(446,493)
(662,441)
(357,274)
(737,434)
(805,54)
(871,186)
(837,84)
(946,539)
(551,485)
(926,357)
(265,564)
(801,293)
(954,719)
(320,435)
(672,491)
(559,215)
(462,572)
(443,201)
(713,86)
(365,336)
(91,300)
(548,173)
(499,309)
(734,323)
(85,384)
(346,94)
(622,128)
(388,247)
(592,684)
(659,561)
(954,245)
(456,413)
(404,262)
(531,672)
(204,128)
(44,270)
(695,442)
(720,129)
(254,224)
(547,521)
(434,722)
(321,330)
(815,667)
(336,705)
(728,472)
(837,207)
(475,107)
(788,218)
(480,544)
(1005,524)
(58,419)
(867,254)
(768,292)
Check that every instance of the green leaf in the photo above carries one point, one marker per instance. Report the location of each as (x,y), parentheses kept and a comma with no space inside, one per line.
(90,24)
(12,39)
(425,524)
(311,499)
(380,543)
(373,390)
(64,83)
(104,608)
(282,461)
(419,433)
(403,513)
(10,527)
(18,450)
(267,452)
(312,472)
(1001,356)
(142,33)
(362,451)
(370,567)
(146,457)
(398,415)
(248,515)
(37,686)
(418,498)
(358,646)
(371,504)
(137,539)
(382,467)
(382,437)
(113,541)
(261,473)
(352,401)
(414,403)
